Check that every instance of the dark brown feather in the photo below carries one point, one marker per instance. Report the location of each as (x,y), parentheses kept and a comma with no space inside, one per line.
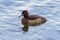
(33,17)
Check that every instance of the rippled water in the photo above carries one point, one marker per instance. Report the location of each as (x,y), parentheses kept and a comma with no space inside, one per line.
(10,23)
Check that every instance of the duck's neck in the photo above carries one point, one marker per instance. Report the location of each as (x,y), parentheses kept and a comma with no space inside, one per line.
(26,17)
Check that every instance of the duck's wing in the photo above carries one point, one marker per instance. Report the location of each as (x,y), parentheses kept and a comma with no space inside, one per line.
(33,17)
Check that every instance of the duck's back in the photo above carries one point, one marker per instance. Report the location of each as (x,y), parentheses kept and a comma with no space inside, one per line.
(33,17)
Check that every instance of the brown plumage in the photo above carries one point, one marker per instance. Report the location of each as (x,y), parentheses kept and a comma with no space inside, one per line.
(32,19)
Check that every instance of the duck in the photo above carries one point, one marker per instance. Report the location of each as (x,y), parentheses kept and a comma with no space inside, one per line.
(32,20)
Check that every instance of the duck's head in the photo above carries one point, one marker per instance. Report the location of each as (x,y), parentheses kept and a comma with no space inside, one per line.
(25,13)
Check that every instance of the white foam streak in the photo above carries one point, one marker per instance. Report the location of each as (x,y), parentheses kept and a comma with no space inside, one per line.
(1,28)
(31,3)
(19,1)
(54,21)
(39,3)
(4,17)
(23,8)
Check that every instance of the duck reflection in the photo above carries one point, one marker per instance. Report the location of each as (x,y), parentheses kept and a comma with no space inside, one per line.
(25,28)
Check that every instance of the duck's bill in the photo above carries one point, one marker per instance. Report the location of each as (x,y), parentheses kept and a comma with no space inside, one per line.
(19,15)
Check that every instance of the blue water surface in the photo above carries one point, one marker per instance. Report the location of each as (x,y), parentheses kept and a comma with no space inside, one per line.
(11,26)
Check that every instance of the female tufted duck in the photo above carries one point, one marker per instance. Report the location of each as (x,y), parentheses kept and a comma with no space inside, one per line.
(32,20)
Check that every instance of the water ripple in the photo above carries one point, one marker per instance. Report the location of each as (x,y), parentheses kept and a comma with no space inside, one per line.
(10,22)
